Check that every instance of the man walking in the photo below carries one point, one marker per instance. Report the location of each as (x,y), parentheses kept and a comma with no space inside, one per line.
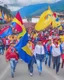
(56,53)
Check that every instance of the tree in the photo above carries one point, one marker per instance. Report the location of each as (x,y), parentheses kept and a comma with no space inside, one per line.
(5,5)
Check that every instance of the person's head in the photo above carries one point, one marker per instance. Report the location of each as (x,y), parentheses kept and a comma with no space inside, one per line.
(39,42)
(12,44)
(6,38)
(49,41)
(55,41)
(29,41)
(12,36)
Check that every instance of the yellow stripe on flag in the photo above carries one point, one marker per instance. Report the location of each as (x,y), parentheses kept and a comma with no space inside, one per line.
(45,13)
(41,25)
(27,50)
(45,20)
(23,28)
(17,21)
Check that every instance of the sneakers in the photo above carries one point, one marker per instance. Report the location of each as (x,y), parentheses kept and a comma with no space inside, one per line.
(39,73)
(57,73)
(31,74)
(14,70)
(12,76)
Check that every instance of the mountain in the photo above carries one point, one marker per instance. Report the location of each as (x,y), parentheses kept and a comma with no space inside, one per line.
(5,15)
(56,7)
(5,10)
(37,9)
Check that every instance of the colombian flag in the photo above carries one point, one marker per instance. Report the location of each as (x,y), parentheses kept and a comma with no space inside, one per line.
(46,18)
(23,50)
(44,21)
(6,31)
(17,22)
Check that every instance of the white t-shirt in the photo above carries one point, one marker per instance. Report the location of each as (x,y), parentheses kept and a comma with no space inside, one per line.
(39,49)
(56,50)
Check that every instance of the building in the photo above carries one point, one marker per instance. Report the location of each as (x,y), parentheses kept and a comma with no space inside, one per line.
(61,16)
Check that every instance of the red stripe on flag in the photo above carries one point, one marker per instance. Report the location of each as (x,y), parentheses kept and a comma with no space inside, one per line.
(18,16)
(3,30)
(18,27)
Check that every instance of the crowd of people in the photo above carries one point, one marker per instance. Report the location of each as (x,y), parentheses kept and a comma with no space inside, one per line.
(46,46)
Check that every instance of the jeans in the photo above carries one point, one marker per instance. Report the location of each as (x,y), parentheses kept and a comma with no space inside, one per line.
(30,65)
(48,60)
(7,46)
(39,60)
(56,63)
(39,65)
(1,51)
(13,64)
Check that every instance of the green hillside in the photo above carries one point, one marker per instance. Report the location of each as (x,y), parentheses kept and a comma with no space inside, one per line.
(5,11)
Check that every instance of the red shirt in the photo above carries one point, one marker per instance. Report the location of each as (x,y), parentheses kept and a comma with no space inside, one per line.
(11,53)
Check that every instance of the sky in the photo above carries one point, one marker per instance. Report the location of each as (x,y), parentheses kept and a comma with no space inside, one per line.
(16,4)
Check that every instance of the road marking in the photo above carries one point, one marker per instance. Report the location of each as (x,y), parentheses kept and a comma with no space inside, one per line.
(4,72)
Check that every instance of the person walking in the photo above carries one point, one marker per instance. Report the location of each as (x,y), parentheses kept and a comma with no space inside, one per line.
(30,65)
(1,46)
(39,55)
(62,55)
(12,56)
(7,43)
(56,51)
(48,54)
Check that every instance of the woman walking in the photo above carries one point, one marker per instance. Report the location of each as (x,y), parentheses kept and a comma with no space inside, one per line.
(39,54)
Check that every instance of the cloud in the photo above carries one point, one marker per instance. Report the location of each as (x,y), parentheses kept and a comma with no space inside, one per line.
(16,4)
(27,1)
(14,8)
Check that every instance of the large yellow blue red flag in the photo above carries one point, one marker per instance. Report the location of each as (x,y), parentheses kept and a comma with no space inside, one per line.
(6,32)
(46,18)
(44,21)
(17,23)
(23,50)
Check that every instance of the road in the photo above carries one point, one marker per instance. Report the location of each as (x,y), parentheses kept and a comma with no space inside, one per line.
(23,74)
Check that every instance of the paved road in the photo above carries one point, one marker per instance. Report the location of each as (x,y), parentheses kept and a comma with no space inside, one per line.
(23,74)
